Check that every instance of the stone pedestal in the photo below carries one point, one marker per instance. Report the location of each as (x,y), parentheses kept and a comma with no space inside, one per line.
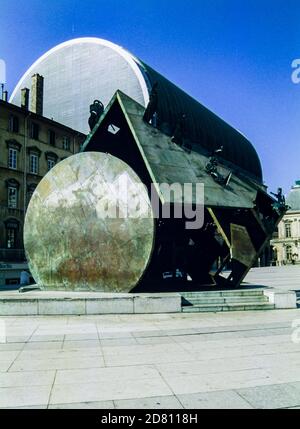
(86,303)
(282,298)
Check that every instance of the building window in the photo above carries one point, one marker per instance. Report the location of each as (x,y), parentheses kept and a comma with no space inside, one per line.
(288,230)
(13,124)
(12,147)
(51,159)
(30,191)
(34,130)
(51,163)
(12,158)
(12,197)
(11,226)
(288,253)
(66,143)
(34,163)
(12,193)
(51,137)
(11,238)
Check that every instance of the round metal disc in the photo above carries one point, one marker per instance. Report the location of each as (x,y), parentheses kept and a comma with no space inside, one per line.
(89,226)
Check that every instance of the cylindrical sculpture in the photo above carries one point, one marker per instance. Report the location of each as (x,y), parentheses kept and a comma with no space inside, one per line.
(89,226)
(156,134)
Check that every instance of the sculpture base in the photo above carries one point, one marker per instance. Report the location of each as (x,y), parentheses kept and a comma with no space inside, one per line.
(46,303)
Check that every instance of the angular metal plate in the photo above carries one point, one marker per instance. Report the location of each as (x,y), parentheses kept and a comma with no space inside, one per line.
(242,247)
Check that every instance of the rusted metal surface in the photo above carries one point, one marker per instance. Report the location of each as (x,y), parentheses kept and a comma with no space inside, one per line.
(74,238)
(242,248)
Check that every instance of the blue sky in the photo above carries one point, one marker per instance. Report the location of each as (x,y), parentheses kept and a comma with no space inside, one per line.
(234,56)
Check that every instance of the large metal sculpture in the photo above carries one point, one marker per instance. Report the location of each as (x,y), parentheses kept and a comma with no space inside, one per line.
(171,140)
(239,215)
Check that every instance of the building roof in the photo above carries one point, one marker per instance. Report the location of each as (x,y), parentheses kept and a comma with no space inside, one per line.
(50,122)
(293,197)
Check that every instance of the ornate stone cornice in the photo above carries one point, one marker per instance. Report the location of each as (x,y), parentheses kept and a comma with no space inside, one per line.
(12,143)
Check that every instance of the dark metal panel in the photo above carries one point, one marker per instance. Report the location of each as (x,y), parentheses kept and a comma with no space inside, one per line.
(205,129)
(169,163)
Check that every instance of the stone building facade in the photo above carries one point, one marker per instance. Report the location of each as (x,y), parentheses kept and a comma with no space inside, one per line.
(286,245)
(30,145)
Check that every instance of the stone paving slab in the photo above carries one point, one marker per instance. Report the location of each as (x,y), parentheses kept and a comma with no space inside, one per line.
(273,396)
(227,399)
(27,378)
(157,402)
(82,392)
(122,374)
(26,407)
(24,396)
(85,405)
(45,364)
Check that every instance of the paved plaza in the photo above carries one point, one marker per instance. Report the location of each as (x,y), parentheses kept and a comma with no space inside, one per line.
(247,359)
(284,278)
(209,360)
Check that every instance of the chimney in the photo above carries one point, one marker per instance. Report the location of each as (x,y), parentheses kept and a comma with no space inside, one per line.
(37,94)
(5,96)
(25,98)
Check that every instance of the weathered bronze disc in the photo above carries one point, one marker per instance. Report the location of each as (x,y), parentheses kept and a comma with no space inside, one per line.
(89,226)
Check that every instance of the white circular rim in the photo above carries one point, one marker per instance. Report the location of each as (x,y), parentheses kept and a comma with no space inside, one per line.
(131,60)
